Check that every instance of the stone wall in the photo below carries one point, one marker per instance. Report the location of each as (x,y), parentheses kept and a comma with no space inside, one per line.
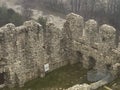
(26,50)
(96,42)
(97,50)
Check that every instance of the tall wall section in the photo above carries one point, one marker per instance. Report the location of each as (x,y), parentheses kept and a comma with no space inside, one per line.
(25,50)
(94,46)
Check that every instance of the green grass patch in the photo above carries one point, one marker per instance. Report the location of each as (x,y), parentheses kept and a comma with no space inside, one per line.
(64,77)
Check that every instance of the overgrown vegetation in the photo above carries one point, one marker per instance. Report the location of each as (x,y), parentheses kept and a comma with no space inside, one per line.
(10,16)
(64,77)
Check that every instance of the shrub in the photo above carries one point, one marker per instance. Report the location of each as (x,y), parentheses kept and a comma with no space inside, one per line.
(42,21)
(10,16)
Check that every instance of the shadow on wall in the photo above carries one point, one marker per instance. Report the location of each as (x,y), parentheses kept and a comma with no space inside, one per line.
(2,79)
(92,62)
(79,56)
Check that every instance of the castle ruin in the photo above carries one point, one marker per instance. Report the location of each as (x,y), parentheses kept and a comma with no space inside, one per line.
(28,51)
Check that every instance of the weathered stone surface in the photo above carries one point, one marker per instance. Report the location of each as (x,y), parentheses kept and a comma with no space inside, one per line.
(25,50)
(107,35)
(91,32)
(76,25)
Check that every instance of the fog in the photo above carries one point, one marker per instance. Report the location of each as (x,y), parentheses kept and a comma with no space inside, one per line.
(104,11)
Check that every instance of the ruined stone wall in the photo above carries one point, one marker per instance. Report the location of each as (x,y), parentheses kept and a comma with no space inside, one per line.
(95,44)
(96,48)
(22,51)
(25,50)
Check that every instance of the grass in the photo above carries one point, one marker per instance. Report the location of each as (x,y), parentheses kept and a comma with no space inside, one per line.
(61,78)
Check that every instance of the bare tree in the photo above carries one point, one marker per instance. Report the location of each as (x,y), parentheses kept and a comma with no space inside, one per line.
(26,11)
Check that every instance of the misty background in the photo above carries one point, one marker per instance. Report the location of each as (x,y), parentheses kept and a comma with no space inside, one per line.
(18,11)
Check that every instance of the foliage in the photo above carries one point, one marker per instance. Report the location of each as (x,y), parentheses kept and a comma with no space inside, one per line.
(42,21)
(10,16)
